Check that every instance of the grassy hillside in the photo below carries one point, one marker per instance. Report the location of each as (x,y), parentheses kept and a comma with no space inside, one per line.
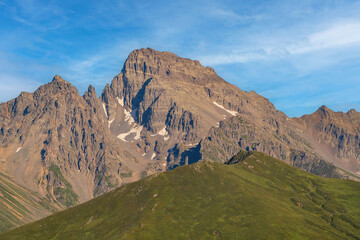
(257,198)
(19,205)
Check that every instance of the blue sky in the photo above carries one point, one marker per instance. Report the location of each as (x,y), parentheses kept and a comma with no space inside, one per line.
(299,54)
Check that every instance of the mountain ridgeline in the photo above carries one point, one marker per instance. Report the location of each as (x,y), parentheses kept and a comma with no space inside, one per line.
(161,111)
(253,196)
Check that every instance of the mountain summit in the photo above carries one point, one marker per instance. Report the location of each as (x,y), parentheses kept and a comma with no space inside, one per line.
(57,78)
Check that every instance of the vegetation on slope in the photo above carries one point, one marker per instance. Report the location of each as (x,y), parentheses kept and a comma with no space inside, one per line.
(19,205)
(61,188)
(257,198)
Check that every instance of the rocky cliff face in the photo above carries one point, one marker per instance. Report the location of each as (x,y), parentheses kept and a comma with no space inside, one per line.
(282,140)
(159,88)
(187,113)
(175,101)
(335,135)
(57,143)
(160,112)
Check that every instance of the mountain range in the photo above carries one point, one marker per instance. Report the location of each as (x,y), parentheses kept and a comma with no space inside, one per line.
(160,112)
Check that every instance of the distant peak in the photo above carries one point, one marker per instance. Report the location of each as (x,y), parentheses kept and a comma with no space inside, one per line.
(151,53)
(91,90)
(352,111)
(148,62)
(59,81)
(90,93)
(324,111)
(147,50)
(57,86)
(324,108)
(57,78)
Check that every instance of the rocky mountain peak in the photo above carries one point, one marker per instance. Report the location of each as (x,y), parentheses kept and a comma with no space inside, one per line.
(57,78)
(324,111)
(91,92)
(324,108)
(149,62)
(58,86)
(59,82)
(352,112)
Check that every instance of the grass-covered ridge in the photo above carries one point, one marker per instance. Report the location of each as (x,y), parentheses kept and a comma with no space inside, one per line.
(257,198)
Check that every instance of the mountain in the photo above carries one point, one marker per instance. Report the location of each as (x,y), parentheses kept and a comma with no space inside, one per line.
(56,143)
(160,112)
(186,113)
(174,101)
(254,196)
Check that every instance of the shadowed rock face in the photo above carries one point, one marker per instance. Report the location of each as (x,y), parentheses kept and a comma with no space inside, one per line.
(160,88)
(160,112)
(58,143)
(204,116)
(336,135)
(163,90)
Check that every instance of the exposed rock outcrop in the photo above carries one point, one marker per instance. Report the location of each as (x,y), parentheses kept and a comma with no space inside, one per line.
(203,115)
(66,151)
(335,135)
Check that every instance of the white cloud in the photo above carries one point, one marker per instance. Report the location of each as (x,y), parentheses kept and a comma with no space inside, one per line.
(230,15)
(341,35)
(231,58)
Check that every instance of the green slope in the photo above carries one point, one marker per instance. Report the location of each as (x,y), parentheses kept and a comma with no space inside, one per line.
(258,198)
(19,205)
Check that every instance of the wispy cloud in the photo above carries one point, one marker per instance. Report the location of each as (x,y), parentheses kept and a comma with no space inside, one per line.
(42,16)
(341,35)
(338,36)
(98,67)
(220,59)
(232,16)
